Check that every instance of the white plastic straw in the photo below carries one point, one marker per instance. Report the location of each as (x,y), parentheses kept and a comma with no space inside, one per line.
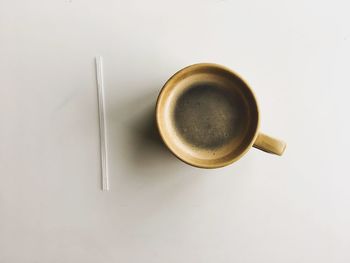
(102,123)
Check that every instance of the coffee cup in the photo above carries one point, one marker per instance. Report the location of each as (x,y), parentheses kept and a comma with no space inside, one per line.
(208,117)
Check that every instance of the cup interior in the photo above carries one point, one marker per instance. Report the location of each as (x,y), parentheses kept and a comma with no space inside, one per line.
(207,115)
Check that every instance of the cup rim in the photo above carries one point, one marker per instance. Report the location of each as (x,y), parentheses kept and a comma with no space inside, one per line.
(161,131)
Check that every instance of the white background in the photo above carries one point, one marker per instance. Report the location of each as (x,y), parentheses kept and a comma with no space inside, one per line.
(295,208)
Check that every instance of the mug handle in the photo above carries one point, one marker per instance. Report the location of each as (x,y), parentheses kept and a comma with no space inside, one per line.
(270,145)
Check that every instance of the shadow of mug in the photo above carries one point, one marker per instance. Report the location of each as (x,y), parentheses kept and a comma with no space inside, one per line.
(135,133)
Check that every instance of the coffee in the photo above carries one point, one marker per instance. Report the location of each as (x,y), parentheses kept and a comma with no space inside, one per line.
(208,116)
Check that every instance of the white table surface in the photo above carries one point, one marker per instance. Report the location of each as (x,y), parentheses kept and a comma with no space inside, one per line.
(264,208)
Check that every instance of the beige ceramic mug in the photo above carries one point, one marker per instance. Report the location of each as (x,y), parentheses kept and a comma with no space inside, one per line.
(208,117)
